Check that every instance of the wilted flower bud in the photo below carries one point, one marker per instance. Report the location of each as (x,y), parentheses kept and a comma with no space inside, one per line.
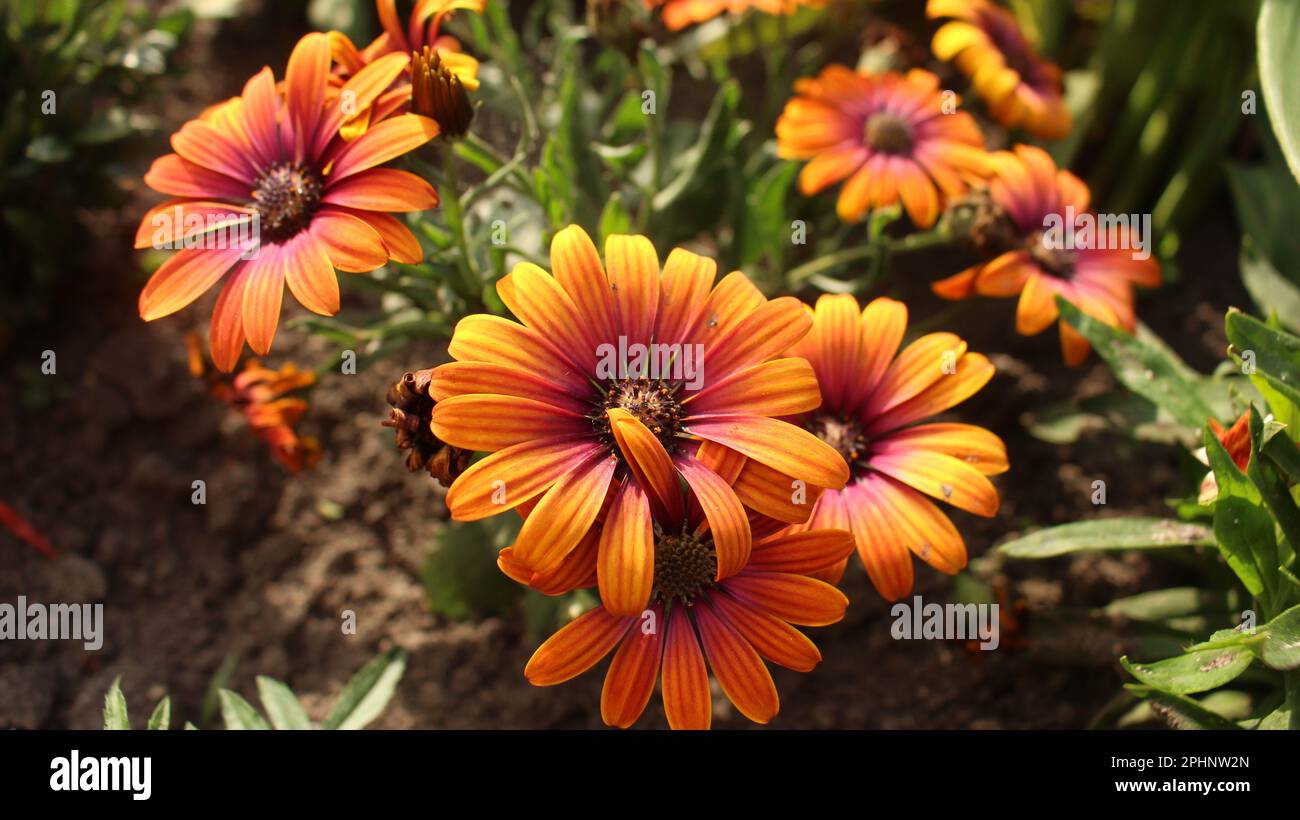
(437,93)
(988,225)
(412,407)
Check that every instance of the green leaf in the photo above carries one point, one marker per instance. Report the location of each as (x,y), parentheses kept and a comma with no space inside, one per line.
(1162,604)
(281,704)
(1280,648)
(1271,487)
(1180,711)
(1279,718)
(1242,526)
(765,228)
(1282,451)
(238,713)
(708,150)
(1107,534)
(115,707)
(1143,367)
(1194,672)
(460,575)
(366,695)
(1267,202)
(1121,412)
(162,715)
(1276,354)
(1270,290)
(1278,37)
(614,218)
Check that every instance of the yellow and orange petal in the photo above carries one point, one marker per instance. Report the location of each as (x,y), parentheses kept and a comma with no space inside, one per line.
(1020,88)
(1033,195)
(880,397)
(692,623)
(888,138)
(268,195)
(260,394)
(585,442)
(422,35)
(678,14)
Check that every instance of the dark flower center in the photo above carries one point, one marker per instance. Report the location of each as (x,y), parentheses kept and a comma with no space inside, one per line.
(889,133)
(845,436)
(1058,262)
(685,566)
(653,401)
(286,198)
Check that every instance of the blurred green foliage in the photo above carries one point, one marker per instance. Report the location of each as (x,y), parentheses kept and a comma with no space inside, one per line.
(1250,525)
(76,72)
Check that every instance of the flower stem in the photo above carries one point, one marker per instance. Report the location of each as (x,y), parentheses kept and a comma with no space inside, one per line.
(455,214)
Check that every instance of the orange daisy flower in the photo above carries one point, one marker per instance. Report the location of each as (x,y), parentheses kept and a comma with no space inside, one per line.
(270,167)
(692,616)
(1032,194)
(678,14)
(1022,90)
(873,409)
(620,359)
(887,137)
(260,395)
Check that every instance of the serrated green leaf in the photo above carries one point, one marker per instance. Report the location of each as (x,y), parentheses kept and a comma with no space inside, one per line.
(366,695)
(1107,534)
(281,704)
(238,713)
(1194,672)
(1142,367)
(162,715)
(115,716)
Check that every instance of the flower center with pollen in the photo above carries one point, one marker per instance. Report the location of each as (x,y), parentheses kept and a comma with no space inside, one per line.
(685,566)
(844,435)
(286,198)
(888,133)
(652,401)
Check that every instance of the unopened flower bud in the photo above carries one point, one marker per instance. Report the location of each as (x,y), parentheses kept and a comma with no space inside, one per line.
(437,93)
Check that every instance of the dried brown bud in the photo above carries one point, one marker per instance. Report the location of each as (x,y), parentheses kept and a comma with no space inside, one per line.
(988,226)
(437,93)
(412,408)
